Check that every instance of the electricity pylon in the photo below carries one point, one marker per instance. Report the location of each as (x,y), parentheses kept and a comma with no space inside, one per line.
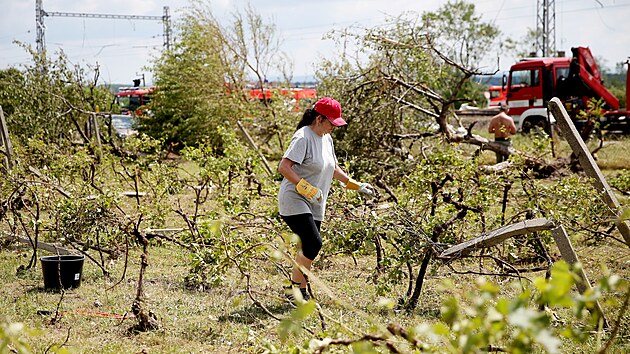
(546,27)
(40,14)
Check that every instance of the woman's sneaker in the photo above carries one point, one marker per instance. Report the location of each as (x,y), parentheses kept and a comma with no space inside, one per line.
(289,293)
(305,294)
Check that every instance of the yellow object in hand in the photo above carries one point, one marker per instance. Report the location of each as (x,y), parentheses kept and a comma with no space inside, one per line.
(306,189)
(353,185)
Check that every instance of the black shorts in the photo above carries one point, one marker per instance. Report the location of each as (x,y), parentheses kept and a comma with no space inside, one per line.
(307,229)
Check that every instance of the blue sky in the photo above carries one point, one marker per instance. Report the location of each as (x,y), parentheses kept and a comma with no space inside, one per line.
(123,47)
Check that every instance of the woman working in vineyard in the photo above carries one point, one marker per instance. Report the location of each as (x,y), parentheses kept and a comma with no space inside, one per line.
(309,166)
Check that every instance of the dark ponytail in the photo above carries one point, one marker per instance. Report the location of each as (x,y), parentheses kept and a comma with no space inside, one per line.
(309,116)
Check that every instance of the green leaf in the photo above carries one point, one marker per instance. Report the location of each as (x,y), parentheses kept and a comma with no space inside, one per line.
(487,286)
(288,327)
(363,347)
(503,306)
(441,329)
(303,310)
(450,310)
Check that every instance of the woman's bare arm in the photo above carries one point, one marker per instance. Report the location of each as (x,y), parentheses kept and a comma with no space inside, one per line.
(286,169)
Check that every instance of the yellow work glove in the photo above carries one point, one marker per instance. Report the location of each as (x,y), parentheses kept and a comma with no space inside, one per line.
(363,188)
(308,191)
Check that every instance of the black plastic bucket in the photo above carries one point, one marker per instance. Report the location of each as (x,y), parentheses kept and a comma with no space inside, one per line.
(62,270)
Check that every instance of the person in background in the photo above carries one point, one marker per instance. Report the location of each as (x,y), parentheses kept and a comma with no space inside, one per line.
(502,125)
(308,166)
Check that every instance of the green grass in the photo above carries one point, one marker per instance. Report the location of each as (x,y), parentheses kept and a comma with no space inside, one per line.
(224,319)
(615,153)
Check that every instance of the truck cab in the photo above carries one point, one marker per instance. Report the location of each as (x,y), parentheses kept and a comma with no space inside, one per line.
(532,82)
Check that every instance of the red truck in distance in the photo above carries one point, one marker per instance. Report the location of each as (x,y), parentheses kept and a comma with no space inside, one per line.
(130,99)
(495,95)
(300,97)
(575,80)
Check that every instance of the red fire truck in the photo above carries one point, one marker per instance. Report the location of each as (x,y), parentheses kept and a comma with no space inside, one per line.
(495,95)
(130,99)
(300,97)
(574,80)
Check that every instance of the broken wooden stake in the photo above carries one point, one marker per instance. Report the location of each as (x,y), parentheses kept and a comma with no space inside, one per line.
(7,148)
(50,247)
(501,234)
(588,164)
(497,236)
(253,144)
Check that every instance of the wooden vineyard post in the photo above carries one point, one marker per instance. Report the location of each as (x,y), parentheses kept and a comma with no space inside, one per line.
(588,164)
(561,238)
(506,232)
(6,142)
(97,135)
(253,144)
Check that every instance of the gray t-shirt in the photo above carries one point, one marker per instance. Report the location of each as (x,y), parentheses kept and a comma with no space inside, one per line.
(315,161)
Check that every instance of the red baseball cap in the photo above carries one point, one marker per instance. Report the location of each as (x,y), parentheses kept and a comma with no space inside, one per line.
(331,109)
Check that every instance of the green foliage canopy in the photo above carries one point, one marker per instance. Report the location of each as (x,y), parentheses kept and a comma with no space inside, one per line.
(50,99)
(418,68)
(201,80)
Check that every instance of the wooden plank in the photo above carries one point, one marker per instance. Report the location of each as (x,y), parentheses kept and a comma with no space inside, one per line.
(568,254)
(166,231)
(591,169)
(97,135)
(50,247)
(497,236)
(6,141)
(253,144)
(133,194)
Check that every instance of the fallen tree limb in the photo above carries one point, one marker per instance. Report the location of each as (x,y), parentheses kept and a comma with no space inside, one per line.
(542,168)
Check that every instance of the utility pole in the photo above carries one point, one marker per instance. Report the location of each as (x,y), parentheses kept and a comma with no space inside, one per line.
(166,23)
(40,14)
(546,27)
(39,26)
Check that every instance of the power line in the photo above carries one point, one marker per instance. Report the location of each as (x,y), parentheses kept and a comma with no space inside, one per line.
(40,14)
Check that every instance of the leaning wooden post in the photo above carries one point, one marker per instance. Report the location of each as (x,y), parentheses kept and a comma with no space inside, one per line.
(588,164)
(503,233)
(97,135)
(497,236)
(253,144)
(568,254)
(6,141)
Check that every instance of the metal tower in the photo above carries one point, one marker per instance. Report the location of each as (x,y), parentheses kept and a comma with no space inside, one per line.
(546,27)
(39,27)
(40,14)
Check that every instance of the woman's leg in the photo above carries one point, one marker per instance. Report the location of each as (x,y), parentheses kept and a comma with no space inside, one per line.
(296,275)
(311,243)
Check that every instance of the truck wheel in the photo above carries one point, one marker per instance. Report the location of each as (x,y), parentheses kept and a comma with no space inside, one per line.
(534,124)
